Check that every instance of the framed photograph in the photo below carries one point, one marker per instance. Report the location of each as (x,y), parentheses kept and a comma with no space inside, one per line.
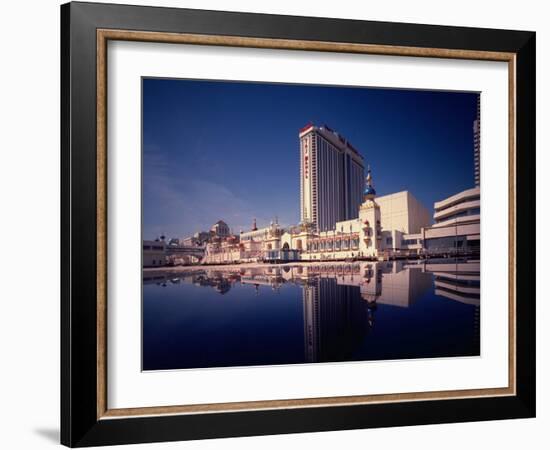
(277,224)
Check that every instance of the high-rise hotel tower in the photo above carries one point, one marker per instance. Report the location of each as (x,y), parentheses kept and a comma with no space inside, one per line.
(477,138)
(331,178)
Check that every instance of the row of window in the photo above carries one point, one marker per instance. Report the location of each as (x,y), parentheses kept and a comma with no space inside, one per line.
(337,245)
(452,244)
(458,282)
(153,247)
(468,212)
(369,232)
(411,241)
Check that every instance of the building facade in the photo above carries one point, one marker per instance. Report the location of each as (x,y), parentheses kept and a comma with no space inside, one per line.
(457,218)
(226,250)
(154,253)
(331,177)
(220,229)
(403,212)
(248,246)
(340,220)
(381,228)
(477,143)
(457,225)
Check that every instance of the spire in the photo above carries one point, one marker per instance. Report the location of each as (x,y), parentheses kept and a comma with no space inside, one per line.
(254,227)
(369,177)
(369,192)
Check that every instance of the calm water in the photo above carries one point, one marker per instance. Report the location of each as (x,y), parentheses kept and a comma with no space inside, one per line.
(310,313)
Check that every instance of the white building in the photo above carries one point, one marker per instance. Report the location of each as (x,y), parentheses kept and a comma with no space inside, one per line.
(380,226)
(226,250)
(457,225)
(248,246)
(220,228)
(402,217)
(331,177)
(154,253)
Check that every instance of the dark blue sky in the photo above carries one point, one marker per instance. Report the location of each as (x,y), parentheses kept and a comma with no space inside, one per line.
(230,150)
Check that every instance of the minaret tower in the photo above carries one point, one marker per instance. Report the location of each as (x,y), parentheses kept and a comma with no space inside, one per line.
(369,192)
(369,215)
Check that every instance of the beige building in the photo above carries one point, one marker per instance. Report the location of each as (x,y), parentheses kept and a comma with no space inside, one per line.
(355,238)
(383,227)
(226,250)
(268,238)
(220,228)
(403,212)
(248,246)
(154,253)
(456,229)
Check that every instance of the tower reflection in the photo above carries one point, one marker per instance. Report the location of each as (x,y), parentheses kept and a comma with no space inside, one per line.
(343,304)
(340,303)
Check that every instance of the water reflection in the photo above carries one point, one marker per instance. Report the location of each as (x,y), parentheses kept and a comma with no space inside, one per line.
(310,313)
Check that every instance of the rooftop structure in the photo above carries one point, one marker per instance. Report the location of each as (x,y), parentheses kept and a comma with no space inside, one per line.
(220,228)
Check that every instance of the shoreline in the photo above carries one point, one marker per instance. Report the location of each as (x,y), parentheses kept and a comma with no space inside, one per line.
(253,265)
(256,265)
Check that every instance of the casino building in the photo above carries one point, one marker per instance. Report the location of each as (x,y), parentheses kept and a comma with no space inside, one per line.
(456,230)
(378,230)
(381,228)
(331,177)
(342,218)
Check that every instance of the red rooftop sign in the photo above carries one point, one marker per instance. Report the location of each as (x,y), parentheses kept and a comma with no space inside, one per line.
(307,127)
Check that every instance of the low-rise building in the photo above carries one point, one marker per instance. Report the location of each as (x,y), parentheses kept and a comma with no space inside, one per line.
(384,227)
(223,251)
(457,225)
(220,229)
(154,253)
(392,226)
(190,241)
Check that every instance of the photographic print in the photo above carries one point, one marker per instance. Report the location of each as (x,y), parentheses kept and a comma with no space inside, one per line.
(298,224)
(271,224)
